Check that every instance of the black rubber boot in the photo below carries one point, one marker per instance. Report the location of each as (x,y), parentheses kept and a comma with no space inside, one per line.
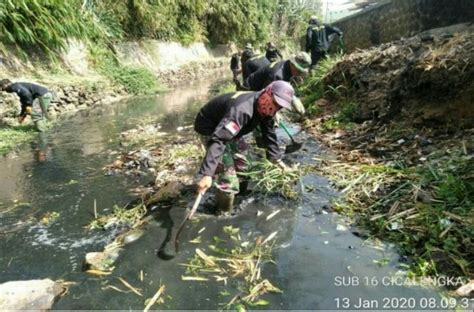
(224,201)
(259,141)
(243,187)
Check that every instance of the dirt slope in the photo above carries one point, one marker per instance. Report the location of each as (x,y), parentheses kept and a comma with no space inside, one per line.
(428,78)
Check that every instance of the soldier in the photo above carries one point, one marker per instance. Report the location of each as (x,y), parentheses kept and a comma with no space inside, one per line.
(283,70)
(317,39)
(272,53)
(222,123)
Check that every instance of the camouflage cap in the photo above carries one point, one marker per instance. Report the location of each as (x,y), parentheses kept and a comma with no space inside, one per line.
(302,61)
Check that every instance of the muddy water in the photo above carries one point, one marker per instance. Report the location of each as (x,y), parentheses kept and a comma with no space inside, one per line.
(319,263)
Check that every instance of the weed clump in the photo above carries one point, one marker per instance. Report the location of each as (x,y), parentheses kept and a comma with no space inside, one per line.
(426,209)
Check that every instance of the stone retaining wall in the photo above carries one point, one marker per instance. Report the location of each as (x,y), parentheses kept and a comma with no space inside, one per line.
(171,62)
(395,19)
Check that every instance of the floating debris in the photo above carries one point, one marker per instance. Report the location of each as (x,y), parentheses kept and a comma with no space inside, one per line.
(135,290)
(98,272)
(341,228)
(465,290)
(121,216)
(273,214)
(270,237)
(116,289)
(155,298)
(194,278)
(196,240)
(49,218)
(244,262)
(103,261)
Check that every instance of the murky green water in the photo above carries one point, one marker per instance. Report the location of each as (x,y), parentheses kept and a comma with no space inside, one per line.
(318,264)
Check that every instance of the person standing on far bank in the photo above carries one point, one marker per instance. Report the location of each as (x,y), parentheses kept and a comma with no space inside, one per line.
(317,39)
(235,65)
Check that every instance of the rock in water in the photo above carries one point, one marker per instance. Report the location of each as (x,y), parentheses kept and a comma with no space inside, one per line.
(29,295)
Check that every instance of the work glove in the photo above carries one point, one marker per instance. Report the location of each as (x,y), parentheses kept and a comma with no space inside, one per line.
(204,184)
(297,106)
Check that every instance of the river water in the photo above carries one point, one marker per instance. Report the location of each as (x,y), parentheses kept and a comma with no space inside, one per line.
(319,263)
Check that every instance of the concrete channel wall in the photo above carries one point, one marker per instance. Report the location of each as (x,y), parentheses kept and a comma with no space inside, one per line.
(394,19)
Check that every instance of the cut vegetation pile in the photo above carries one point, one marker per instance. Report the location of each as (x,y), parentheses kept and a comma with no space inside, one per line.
(429,78)
(168,156)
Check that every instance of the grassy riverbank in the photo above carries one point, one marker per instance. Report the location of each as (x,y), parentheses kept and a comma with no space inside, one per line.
(400,182)
(14,136)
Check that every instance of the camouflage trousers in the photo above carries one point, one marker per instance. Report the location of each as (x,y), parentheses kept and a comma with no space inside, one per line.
(39,114)
(233,160)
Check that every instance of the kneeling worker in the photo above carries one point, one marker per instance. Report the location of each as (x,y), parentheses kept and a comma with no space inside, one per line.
(223,122)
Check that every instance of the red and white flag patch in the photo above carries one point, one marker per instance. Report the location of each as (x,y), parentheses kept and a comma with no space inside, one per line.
(233,127)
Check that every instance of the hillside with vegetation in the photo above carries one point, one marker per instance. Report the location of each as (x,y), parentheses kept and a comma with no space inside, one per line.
(47,25)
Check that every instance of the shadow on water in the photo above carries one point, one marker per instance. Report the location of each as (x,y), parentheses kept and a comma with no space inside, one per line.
(315,250)
(165,251)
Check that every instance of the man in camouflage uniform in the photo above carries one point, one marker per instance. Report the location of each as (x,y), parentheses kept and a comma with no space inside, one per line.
(272,53)
(223,122)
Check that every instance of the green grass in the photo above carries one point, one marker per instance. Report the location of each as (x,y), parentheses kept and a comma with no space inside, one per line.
(46,25)
(426,210)
(314,87)
(344,117)
(11,137)
(135,80)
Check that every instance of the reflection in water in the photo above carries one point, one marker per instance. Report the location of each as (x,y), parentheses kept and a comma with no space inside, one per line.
(41,148)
